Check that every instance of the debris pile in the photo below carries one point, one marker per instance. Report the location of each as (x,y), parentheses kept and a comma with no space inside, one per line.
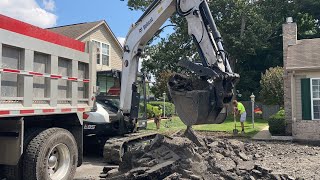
(178,157)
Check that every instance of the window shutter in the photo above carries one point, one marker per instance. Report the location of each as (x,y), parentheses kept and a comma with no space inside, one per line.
(306,99)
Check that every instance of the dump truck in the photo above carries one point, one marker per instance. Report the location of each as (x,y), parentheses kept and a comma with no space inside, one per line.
(47,82)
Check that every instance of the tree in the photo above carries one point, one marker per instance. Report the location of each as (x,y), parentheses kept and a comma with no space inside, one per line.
(272,86)
(160,85)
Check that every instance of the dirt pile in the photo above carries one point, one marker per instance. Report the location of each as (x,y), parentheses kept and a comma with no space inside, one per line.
(177,157)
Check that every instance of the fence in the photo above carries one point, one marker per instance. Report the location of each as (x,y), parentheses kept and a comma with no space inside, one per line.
(267,110)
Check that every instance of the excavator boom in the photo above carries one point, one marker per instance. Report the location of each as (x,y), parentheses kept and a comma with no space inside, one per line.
(199,100)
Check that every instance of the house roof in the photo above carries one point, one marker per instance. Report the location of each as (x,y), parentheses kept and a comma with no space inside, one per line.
(76,31)
(304,55)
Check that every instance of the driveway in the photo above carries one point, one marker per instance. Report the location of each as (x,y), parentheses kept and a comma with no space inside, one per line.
(91,168)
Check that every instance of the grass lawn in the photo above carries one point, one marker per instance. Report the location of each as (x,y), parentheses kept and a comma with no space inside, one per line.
(176,124)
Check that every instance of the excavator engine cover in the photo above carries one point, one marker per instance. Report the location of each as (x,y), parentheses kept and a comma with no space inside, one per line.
(194,101)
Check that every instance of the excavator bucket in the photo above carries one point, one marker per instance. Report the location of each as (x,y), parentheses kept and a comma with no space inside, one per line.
(194,101)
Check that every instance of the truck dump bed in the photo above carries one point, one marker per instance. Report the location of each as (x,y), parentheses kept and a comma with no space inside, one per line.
(42,72)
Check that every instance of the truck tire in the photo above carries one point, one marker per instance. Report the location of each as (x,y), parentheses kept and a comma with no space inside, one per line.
(51,155)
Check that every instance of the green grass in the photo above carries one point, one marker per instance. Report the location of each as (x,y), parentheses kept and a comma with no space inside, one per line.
(176,124)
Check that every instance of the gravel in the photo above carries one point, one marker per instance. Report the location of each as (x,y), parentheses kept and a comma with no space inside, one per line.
(220,158)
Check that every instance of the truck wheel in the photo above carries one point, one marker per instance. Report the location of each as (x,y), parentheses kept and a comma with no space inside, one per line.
(51,155)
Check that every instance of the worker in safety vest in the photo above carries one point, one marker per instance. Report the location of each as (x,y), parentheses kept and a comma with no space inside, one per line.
(240,110)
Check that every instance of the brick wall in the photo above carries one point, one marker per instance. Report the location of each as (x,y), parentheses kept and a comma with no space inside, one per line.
(289,39)
(306,130)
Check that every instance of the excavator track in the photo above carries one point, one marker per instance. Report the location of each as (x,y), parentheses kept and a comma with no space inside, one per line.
(115,148)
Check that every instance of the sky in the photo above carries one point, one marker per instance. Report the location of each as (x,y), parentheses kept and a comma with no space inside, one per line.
(50,13)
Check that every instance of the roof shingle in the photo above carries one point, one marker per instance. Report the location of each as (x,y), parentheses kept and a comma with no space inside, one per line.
(75,30)
(304,55)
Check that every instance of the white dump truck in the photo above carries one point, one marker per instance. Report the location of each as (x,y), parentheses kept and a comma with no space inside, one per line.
(47,82)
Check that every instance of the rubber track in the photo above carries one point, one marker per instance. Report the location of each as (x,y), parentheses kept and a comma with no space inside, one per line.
(112,148)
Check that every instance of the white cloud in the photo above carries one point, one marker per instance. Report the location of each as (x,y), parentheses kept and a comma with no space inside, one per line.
(29,11)
(121,40)
(49,5)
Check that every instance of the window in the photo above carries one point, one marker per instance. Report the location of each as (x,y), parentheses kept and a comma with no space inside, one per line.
(103,53)
(315,85)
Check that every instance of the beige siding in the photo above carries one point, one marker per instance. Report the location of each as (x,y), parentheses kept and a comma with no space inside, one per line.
(103,35)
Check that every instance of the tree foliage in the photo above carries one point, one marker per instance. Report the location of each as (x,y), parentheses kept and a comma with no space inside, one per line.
(160,85)
(252,34)
(272,86)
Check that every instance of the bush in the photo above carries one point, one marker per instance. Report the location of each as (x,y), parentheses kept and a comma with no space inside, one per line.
(277,123)
(156,111)
(272,86)
(169,106)
(152,111)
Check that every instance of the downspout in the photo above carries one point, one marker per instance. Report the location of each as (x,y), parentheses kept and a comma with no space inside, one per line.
(293,100)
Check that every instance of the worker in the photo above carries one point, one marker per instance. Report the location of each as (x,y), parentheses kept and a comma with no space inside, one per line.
(239,109)
(157,116)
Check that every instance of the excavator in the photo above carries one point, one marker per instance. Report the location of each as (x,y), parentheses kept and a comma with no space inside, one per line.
(200,98)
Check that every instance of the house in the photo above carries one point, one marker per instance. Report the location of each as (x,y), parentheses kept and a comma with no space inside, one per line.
(301,84)
(109,56)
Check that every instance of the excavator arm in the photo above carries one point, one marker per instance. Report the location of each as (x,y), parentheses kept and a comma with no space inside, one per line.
(198,100)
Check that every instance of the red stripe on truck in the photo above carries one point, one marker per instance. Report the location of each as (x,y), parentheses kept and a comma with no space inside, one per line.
(72,78)
(81,109)
(11,70)
(23,28)
(48,110)
(35,73)
(4,112)
(86,80)
(26,111)
(66,110)
(55,77)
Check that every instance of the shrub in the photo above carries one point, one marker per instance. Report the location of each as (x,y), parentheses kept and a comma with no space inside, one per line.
(277,123)
(152,111)
(156,111)
(169,106)
(272,86)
